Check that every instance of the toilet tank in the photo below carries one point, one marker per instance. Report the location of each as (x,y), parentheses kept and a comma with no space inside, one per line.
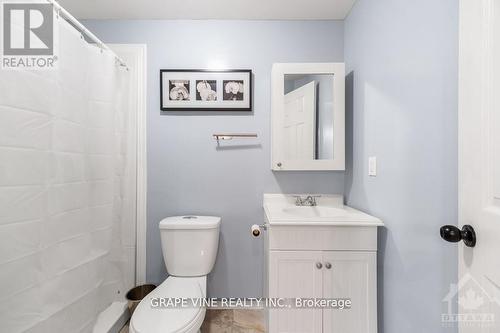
(189,244)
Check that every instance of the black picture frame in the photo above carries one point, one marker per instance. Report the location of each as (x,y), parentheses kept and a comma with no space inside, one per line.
(181,92)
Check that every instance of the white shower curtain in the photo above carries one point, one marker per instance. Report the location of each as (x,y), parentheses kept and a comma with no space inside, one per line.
(67,195)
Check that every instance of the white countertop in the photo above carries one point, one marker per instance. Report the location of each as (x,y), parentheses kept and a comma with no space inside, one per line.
(280,209)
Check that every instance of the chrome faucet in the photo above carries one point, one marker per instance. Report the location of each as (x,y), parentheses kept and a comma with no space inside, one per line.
(310,200)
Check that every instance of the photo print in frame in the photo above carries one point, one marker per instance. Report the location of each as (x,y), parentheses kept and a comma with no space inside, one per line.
(206,90)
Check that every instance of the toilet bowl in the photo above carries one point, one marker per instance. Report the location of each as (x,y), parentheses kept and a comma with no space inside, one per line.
(151,317)
(189,246)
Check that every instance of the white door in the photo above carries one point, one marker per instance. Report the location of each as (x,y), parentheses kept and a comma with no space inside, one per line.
(350,275)
(300,123)
(479,165)
(294,274)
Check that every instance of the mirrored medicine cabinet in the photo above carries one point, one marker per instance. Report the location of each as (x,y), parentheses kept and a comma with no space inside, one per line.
(308,116)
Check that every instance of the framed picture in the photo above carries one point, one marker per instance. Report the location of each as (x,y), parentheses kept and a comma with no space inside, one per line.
(206,90)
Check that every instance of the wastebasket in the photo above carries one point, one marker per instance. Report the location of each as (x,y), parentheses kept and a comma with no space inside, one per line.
(135,295)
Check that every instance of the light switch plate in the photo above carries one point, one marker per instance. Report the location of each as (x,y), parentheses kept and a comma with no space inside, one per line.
(372,166)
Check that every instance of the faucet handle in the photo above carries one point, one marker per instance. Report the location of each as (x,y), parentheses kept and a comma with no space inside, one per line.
(312,199)
(298,200)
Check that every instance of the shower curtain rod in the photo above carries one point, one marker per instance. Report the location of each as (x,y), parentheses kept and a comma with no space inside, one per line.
(80,27)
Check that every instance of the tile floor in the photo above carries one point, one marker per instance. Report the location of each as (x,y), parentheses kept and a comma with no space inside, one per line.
(233,321)
(230,321)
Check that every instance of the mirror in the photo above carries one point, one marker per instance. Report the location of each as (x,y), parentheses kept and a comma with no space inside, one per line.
(308,117)
(308,125)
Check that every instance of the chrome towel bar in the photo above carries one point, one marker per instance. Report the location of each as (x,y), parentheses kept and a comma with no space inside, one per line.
(230,136)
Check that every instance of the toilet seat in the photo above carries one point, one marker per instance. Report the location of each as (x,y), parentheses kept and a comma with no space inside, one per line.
(148,319)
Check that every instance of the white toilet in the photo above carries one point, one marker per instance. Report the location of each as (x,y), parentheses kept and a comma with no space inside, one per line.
(189,246)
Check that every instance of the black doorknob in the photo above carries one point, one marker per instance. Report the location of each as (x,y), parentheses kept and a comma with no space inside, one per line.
(450,233)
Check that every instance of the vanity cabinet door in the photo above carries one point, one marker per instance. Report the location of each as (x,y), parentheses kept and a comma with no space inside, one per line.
(350,275)
(295,274)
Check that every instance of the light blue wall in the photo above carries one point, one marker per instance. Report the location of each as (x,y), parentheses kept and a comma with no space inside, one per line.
(186,173)
(402,108)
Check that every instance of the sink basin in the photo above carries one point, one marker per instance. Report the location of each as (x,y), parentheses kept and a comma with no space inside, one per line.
(280,209)
(316,211)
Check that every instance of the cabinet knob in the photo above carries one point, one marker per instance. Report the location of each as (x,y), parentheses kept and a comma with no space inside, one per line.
(279,164)
(319,265)
(328,265)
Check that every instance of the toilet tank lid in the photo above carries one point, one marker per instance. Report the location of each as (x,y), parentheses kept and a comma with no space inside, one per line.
(190,222)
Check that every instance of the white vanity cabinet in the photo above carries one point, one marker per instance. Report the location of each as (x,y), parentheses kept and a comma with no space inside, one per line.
(294,274)
(333,258)
(314,272)
(353,275)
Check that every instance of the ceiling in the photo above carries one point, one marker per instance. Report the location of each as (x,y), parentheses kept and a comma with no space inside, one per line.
(210,9)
